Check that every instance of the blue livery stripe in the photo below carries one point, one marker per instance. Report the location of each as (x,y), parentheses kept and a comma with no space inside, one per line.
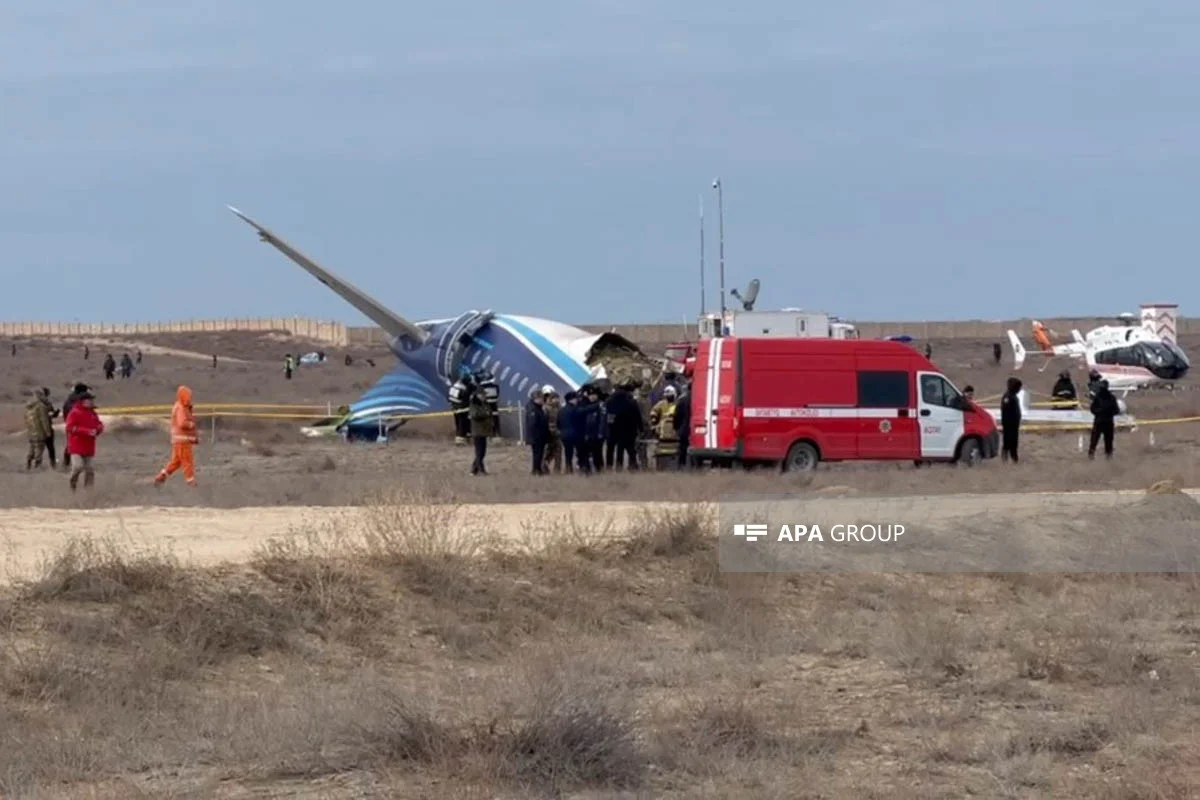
(549,351)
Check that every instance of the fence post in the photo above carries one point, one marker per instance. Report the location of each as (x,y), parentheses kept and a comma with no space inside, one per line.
(213,440)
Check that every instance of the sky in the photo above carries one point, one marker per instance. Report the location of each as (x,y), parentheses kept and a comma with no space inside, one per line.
(892,159)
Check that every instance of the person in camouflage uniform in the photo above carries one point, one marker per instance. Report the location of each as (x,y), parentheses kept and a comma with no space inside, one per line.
(482,426)
(554,449)
(40,430)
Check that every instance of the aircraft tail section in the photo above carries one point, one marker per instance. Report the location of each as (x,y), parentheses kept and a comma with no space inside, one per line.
(1018,349)
(1078,337)
(394,324)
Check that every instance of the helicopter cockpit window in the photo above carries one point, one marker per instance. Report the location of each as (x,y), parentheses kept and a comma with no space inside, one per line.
(1155,355)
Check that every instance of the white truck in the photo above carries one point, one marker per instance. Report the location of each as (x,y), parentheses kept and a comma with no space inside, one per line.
(787,322)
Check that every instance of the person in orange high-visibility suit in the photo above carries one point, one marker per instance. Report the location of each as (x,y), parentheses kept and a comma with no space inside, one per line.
(183,436)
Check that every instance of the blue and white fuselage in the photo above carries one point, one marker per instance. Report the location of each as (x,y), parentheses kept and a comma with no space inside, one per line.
(520,352)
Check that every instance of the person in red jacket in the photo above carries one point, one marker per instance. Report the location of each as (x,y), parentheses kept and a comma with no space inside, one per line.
(82,427)
(183,436)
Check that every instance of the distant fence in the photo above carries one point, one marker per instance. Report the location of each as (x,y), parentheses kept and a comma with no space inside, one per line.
(340,335)
(665,333)
(334,333)
(997,330)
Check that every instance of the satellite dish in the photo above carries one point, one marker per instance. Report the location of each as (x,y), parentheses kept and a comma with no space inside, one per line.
(751,295)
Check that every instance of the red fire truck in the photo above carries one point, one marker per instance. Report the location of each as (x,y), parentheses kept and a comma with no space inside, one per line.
(799,401)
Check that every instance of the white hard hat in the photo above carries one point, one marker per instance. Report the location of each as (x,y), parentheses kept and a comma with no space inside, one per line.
(548,389)
(670,391)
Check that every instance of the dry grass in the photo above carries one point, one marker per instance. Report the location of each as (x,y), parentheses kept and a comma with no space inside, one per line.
(387,658)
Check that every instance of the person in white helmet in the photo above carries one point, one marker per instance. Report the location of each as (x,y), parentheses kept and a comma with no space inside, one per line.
(662,422)
(554,448)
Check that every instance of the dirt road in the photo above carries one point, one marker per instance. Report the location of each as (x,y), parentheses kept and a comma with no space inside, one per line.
(206,536)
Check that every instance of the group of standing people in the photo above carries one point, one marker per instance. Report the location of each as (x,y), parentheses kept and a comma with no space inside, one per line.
(1103,405)
(594,430)
(82,426)
(110,365)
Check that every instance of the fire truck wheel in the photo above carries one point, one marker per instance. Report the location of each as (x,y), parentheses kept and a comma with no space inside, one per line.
(801,457)
(970,453)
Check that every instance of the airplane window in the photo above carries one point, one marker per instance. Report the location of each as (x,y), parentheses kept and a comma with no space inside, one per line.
(516,377)
(504,374)
(486,359)
(524,383)
(475,357)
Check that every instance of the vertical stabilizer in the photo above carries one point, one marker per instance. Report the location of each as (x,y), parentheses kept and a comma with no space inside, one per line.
(1018,349)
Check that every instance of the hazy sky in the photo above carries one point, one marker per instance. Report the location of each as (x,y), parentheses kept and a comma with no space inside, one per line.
(889,159)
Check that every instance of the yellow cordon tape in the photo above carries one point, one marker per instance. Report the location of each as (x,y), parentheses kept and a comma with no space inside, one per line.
(168,406)
(163,412)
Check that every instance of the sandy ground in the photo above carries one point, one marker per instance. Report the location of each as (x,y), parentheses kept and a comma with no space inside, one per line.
(208,536)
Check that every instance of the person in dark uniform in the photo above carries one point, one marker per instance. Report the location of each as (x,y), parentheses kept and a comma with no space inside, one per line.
(996,353)
(590,426)
(682,421)
(1094,381)
(1063,392)
(624,422)
(567,431)
(537,426)
(1010,420)
(1104,413)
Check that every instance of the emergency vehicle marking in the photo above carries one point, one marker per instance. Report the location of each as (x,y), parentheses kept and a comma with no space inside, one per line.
(710,397)
(840,413)
(885,425)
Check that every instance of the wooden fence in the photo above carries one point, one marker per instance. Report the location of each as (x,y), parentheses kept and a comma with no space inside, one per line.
(338,334)
(333,333)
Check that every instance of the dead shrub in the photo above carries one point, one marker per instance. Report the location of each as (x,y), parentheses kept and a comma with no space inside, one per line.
(1078,737)
(672,532)
(405,524)
(326,464)
(324,590)
(262,449)
(400,729)
(87,570)
(571,736)
(934,643)
(731,728)
(217,622)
